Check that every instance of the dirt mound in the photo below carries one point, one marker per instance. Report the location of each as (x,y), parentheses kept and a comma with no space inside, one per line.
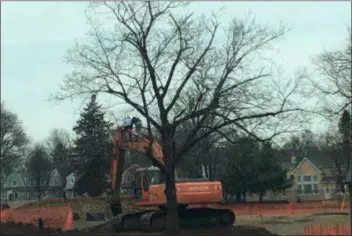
(31,230)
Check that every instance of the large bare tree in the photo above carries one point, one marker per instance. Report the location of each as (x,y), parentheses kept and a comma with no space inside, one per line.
(173,67)
(334,87)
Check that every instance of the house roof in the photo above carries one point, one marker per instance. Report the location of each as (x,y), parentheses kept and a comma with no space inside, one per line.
(320,160)
(306,160)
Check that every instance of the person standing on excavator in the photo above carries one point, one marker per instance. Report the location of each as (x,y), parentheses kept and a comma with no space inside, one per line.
(129,123)
(127,126)
(137,124)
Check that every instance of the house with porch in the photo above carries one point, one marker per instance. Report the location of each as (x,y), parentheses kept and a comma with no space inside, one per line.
(21,186)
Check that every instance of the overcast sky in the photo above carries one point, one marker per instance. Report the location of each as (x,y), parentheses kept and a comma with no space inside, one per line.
(36,35)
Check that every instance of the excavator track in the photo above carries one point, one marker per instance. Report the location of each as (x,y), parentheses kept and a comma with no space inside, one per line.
(189,218)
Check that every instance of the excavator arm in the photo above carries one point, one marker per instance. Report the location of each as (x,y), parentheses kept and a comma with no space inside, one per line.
(138,143)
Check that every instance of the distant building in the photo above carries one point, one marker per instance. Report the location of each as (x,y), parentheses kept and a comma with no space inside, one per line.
(70,183)
(313,178)
(20,186)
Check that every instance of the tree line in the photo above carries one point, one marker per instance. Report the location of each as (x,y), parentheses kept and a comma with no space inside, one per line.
(244,166)
(87,155)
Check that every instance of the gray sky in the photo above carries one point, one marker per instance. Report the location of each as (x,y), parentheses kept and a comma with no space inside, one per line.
(36,35)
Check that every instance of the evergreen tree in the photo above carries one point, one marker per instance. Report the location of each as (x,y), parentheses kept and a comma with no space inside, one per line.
(345,131)
(253,168)
(268,174)
(344,125)
(40,167)
(93,150)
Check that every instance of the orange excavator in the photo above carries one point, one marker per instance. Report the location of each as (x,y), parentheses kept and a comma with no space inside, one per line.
(149,191)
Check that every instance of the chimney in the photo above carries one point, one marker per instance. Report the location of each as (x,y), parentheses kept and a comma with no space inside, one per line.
(293,160)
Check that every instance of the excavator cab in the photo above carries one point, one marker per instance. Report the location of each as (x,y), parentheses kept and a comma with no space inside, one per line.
(144,178)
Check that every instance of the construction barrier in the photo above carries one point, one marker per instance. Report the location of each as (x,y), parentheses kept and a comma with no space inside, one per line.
(283,209)
(336,229)
(52,217)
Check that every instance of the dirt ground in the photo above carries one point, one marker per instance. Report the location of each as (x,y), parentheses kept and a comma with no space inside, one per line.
(11,229)
(282,225)
(291,225)
(245,225)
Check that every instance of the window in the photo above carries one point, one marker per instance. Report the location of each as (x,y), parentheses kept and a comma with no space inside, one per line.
(308,185)
(56,181)
(14,183)
(299,179)
(307,189)
(31,182)
(72,180)
(306,178)
(16,195)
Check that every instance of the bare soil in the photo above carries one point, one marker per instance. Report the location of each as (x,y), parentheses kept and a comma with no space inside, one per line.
(11,229)
(251,226)
(291,225)
(245,225)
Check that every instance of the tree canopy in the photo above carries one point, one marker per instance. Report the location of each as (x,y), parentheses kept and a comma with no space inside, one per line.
(13,141)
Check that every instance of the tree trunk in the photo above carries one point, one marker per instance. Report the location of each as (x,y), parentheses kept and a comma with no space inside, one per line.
(63,194)
(244,196)
(172,217)
(238,196)
(261,196)
(63,186)
(39,194)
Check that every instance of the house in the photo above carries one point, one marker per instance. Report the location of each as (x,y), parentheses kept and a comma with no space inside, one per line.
(315,179)
(20,186)
(70,183)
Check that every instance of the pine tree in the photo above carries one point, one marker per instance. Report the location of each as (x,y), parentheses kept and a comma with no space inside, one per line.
(345,131)
(93,150)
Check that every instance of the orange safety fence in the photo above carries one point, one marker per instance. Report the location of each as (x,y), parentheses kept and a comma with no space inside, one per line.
(279,209)
(53,217)
(336,229)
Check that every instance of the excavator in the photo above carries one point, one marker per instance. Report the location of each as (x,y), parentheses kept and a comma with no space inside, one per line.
(148,191)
